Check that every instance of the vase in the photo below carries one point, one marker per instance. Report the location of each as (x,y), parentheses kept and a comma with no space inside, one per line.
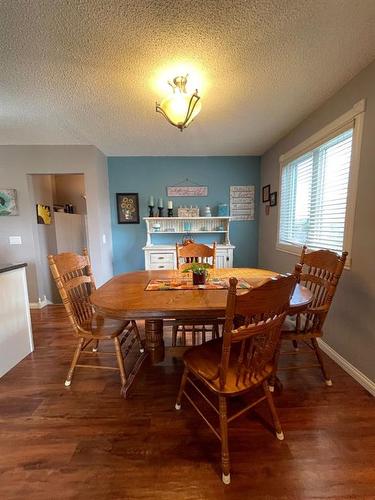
(199,279)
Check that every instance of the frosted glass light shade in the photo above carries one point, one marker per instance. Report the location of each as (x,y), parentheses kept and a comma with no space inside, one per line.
(180,108)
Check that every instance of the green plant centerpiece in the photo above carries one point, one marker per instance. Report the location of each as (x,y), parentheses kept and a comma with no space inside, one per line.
(200,272)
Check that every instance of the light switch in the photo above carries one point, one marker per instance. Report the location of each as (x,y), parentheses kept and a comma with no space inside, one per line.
(104,239)
(15,240)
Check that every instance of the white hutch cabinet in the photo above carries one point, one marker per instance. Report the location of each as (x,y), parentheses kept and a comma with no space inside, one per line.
(158,256)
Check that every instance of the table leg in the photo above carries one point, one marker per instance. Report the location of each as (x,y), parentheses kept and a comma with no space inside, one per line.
(154,339)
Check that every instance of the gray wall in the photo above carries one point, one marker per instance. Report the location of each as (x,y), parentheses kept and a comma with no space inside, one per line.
(18,161)
(350,327)
(41,189)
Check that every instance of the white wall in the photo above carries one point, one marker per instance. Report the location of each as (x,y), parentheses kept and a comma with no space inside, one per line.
(350,326)
(18,161)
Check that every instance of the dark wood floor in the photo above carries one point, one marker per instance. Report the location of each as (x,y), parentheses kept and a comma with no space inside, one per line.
(86,442)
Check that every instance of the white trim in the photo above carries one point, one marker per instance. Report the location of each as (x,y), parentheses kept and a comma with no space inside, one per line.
(320,136)
(360,377)
(40,304)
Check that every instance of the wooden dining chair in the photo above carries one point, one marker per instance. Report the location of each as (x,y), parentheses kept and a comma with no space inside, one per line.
(320,272)
(75,282)
(195,252)
(197,330)
(242,360)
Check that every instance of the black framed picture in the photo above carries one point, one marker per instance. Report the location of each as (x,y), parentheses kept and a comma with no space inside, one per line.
(266,193)
(273,199)
(127,208)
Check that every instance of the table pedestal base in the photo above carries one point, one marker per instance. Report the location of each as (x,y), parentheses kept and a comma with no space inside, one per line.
(154,339)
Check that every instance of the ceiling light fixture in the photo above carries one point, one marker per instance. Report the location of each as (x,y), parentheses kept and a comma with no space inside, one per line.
(180,108)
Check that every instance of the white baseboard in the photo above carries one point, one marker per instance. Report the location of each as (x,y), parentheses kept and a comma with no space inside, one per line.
(360,377)
(40,304)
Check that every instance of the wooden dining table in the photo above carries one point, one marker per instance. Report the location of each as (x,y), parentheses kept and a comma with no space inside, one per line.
(125,297)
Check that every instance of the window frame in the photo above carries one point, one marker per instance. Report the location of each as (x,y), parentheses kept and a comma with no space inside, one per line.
(354,117)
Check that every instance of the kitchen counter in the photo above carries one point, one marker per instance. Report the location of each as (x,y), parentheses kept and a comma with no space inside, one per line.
(16,338)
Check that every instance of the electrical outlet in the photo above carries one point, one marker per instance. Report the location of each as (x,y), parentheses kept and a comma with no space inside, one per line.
(15,240)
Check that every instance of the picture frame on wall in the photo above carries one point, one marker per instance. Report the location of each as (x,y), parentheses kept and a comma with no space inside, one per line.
(266,190)
(273,199)
(127,208)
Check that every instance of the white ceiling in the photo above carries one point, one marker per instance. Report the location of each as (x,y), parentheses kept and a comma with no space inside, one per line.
(83,71)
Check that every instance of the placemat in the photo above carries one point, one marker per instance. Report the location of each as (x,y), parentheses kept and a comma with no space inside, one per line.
(186,284)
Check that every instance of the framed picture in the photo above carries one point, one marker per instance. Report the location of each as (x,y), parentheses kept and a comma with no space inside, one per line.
(273,199)
(8,205)
(43,214)
(127,208)
(266,193)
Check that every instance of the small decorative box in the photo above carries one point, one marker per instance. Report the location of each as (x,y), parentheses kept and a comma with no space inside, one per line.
(188,212)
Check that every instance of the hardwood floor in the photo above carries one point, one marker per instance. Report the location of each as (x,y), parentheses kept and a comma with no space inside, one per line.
(86,442)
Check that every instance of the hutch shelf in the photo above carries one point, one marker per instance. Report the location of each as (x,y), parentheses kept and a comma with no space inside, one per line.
(159,256)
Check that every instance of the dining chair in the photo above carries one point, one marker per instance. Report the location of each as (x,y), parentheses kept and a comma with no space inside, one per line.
(75,281)
(242,361)
(196,329)
(320,272)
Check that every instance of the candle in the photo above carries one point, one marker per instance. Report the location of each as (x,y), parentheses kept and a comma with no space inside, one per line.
(160,203)
(170,204)
(151,201)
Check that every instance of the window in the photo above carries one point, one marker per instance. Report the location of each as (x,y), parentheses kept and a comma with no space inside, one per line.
(317,188)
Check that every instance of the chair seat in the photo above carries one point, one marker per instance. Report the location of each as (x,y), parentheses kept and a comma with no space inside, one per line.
(203,361)
(103,328)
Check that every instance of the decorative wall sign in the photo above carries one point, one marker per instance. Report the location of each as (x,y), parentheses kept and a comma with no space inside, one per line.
(187,191)
(43,214)
(242,202)
(8,205)
(127,208)
(188,212)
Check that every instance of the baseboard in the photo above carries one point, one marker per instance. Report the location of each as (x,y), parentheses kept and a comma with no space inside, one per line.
(40,304)
(360,377)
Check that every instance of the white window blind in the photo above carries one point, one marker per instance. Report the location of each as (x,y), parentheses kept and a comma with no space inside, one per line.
(314,194)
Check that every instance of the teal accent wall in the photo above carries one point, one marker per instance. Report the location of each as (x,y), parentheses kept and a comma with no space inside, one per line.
(151,175)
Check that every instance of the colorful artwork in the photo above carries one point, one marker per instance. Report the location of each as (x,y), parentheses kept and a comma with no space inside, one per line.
(8,205)
(187,284)
(127,208)
(43,213)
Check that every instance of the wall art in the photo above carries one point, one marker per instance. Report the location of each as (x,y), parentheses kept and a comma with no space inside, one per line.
(127,208)
(242,205)
(43,214)
(8,202)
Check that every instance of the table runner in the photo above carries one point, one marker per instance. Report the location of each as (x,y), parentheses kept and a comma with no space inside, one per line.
(186,284)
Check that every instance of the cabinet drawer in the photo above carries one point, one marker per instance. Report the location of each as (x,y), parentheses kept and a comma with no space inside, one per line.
(156,258)
(161,265)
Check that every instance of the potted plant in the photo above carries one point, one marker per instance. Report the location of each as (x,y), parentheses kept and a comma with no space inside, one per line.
(199,271)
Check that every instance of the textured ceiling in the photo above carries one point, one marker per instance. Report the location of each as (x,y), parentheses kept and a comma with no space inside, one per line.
(87,72)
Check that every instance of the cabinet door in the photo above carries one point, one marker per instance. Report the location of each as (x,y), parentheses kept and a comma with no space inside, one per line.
(224,258)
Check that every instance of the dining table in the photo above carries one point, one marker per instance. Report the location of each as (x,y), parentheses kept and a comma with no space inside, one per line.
(125,297)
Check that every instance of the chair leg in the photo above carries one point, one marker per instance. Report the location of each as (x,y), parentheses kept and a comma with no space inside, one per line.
(225,465)
(174,335)
(120,361)
(96,344)
(181,389)
(327,380)
(136,331)
(76,355)
(272,381)
(295,345)
(275,417)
